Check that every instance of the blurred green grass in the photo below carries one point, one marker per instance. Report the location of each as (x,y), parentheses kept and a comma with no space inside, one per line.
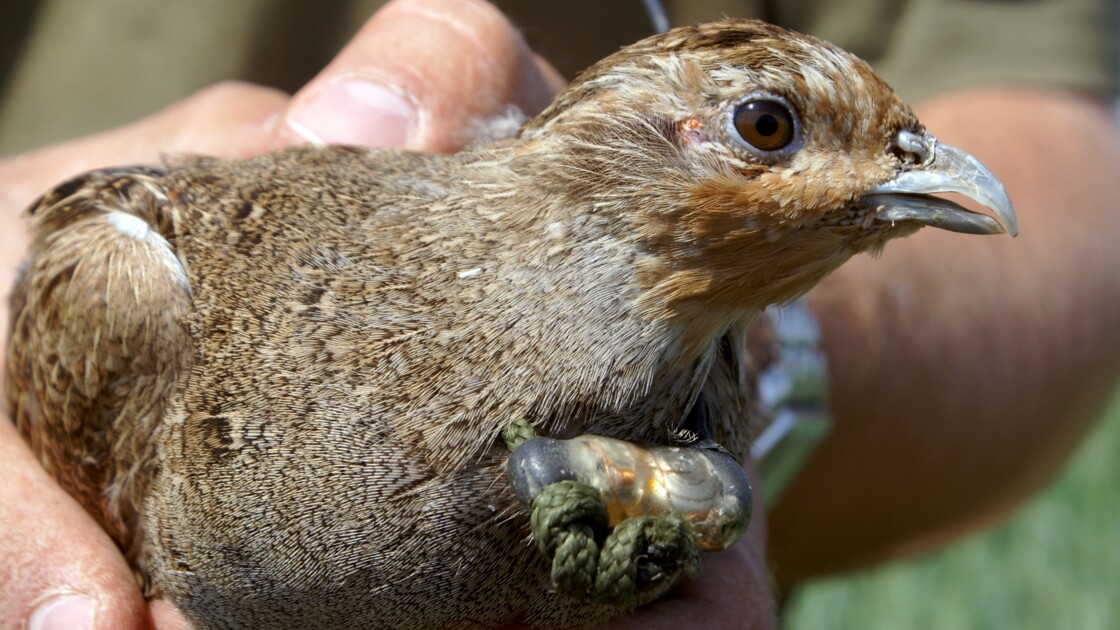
(1056,564)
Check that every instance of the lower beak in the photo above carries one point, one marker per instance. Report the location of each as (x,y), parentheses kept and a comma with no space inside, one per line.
(942,169)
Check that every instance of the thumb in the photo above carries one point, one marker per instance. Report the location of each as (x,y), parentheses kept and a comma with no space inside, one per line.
(59,569)
(421,74)
(225,120)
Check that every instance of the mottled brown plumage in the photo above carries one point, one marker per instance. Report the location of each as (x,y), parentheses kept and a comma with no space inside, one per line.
(280,383)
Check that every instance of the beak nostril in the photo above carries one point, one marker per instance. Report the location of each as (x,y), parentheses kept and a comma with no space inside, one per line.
(946,170)
(910,159)
(911,148)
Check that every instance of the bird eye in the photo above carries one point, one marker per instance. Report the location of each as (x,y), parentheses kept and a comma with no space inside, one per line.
(764,124)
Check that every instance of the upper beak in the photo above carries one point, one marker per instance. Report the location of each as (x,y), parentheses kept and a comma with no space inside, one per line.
(942,169)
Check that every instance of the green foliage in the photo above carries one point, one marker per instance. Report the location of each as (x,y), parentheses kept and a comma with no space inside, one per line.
(1055,565)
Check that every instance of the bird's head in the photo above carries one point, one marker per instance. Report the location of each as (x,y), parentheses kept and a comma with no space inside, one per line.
(749,161)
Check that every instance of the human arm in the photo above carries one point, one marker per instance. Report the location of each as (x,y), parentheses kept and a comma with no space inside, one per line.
(965,371)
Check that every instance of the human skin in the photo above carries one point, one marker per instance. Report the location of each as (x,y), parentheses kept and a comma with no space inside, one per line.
(1009,341)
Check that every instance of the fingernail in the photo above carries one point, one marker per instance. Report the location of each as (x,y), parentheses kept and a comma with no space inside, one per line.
(356,111)
(69,611)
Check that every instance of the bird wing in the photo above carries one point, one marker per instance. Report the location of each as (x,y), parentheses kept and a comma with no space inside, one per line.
(97,338)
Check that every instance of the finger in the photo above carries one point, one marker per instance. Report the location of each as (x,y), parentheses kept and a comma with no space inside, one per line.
(230,119)
(421,74)
(58,569)
(227,120)
(165,616)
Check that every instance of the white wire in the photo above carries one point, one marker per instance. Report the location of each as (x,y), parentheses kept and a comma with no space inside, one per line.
(657,15)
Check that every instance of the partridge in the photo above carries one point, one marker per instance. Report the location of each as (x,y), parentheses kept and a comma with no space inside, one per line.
(280,383)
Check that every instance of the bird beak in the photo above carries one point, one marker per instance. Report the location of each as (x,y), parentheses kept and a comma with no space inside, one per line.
(942,169)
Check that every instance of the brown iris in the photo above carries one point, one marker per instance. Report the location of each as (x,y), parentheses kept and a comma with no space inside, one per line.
(765,125)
